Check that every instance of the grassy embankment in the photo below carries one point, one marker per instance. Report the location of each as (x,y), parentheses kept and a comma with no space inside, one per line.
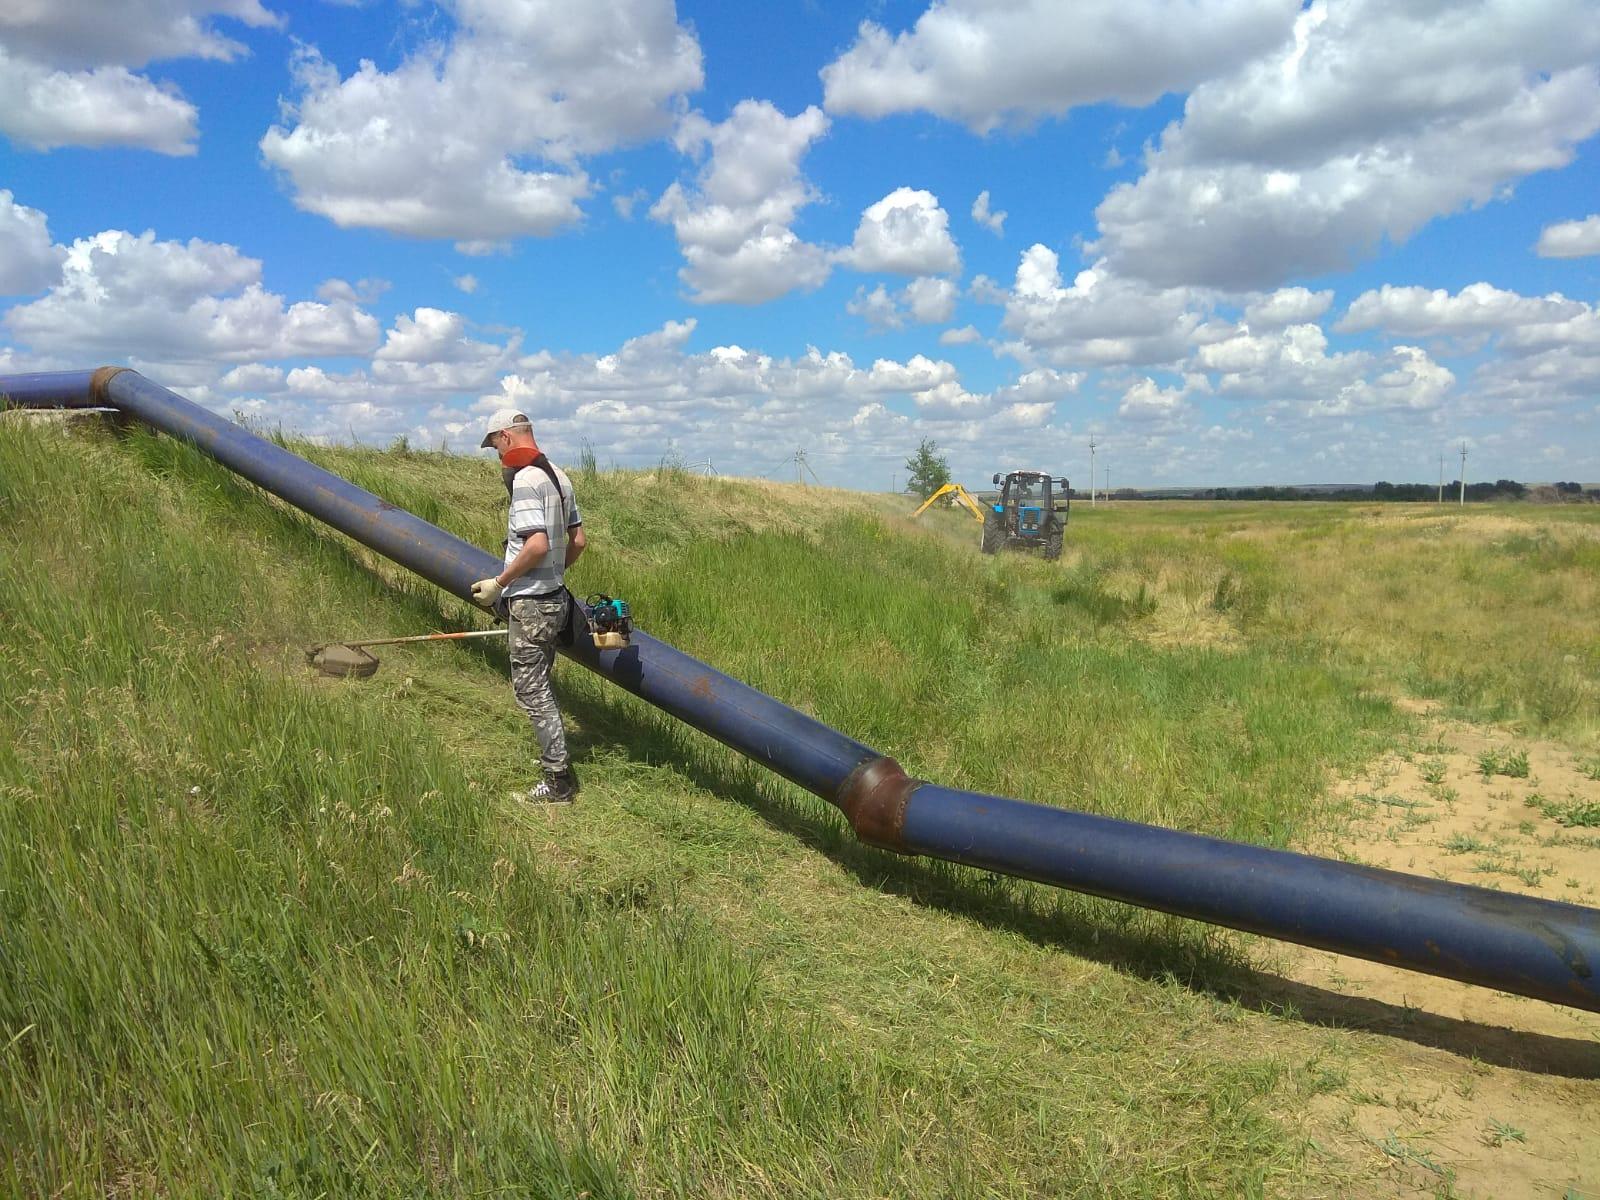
(278,935)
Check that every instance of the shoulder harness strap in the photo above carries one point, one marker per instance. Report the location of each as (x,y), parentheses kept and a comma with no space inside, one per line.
(508,474)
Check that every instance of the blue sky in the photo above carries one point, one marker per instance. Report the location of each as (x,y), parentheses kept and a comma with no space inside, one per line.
(1241,243)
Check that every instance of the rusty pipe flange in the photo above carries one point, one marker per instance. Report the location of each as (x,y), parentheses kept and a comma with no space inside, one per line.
(874,797)
(98,382)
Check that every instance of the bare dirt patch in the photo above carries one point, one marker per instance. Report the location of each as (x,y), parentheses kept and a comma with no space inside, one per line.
(1473,1093)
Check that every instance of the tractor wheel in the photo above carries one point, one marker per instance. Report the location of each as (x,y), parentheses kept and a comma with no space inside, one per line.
(1052,543)
(994,533)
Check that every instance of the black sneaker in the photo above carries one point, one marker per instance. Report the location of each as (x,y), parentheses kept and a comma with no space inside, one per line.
(554,788)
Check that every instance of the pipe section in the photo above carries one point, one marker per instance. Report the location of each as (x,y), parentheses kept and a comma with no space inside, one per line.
(1515,943)
(1540,948)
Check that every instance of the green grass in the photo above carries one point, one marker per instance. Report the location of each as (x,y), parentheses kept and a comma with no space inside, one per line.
(276,935)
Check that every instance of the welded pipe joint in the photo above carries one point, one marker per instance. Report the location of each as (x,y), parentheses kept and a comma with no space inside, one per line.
(874,797)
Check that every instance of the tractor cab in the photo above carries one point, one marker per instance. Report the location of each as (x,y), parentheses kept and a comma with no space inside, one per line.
(1030,495)
(1031,513)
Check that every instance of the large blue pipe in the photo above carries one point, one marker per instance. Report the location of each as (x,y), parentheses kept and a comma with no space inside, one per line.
(1540,948)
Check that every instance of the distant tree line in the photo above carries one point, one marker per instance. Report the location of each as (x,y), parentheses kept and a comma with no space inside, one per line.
(1500,489)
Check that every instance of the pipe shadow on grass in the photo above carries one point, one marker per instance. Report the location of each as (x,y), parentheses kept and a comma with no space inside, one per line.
(1192,957)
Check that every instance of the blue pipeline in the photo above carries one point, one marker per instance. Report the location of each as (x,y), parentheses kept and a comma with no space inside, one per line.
(1522,944)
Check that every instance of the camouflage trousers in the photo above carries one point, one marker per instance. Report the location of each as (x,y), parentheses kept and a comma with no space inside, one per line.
(534,625)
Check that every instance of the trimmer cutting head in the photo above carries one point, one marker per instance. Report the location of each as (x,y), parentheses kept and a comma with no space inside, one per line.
(342,661)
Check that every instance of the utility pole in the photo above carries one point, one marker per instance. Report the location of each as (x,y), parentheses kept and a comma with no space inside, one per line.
(1441,477)
(1091,471)
(802,466)
(1463,474)
(1105,481)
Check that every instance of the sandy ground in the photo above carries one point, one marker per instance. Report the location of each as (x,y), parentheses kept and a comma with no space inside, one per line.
(1474,1093)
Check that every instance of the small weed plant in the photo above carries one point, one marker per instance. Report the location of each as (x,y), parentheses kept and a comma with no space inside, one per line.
(1573,813)
(1511,763)
(1499,1133)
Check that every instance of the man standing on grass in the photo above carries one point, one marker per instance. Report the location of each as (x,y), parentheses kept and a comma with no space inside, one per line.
(544,536)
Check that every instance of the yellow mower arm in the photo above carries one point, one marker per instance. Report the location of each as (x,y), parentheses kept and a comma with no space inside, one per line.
(961,494)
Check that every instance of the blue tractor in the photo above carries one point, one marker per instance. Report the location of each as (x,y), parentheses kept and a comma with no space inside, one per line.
(1031,514)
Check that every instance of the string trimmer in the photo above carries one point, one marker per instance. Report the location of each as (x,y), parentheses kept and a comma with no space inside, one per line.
(351,658)
(609,621)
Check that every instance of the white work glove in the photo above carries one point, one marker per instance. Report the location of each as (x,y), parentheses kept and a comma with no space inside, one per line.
(487,591)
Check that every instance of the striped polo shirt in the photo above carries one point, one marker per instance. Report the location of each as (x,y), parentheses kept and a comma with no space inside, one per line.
(536,507)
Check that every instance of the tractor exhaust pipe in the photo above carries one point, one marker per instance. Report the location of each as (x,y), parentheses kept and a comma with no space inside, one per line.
(1541,948)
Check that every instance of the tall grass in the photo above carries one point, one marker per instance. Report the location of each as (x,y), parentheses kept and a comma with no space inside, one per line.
(262,937)
(271,935)
(1490,610)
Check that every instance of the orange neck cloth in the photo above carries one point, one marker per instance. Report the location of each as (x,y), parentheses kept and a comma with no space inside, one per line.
(519,456)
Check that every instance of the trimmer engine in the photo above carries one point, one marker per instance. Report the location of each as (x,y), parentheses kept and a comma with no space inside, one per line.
(609,622)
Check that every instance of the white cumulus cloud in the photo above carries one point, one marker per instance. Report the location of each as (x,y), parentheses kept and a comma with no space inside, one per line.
(29,261)
(430,351)
(1372,118)
(990,62)
(1408,380)
(1292,371)
(1477,308)
(905,233)
(481,139)
(1570,239)
(732,403)
(877,308)
(109,106)
(993,221)
(1099,319)
(926,300)
(68,71)
(86,33)
(1543,351)
(733,225)
(931,300)
(1148,401)
(1287,306)
(128,296)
